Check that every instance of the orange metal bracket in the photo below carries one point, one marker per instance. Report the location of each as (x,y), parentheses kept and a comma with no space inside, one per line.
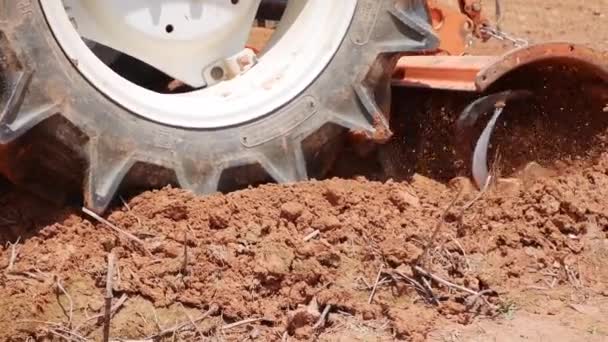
(474,10)
(441,72)
(477,73)
(452,27)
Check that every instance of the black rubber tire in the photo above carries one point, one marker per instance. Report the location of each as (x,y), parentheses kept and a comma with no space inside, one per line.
(42,89)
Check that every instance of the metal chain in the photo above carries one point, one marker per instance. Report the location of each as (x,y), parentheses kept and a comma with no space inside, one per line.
(504,36)
(497,33)
(498,13)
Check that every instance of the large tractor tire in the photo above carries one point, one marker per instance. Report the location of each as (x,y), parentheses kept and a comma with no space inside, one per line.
(49,93)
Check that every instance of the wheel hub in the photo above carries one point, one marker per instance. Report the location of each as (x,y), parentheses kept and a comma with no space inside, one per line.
(304,42)
(184,39)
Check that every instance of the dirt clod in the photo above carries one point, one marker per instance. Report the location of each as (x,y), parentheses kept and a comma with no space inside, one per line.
(292,210)
(253,261)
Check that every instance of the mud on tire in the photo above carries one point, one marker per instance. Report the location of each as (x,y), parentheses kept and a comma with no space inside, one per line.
(104,146)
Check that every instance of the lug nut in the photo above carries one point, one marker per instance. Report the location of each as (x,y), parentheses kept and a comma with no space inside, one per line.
(217,73)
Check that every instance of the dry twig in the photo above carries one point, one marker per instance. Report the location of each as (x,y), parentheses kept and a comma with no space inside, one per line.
(156,320)
(429,291)
(66,335)
(67,295)
(443,281)
(25,276)
(410,280)
(58,329)
(243,322)
(116,229)
(198,330)
(321,322)
(362,279)
(178,327)
(11,262)
(312,235)
(113,310)
(185,263)
(464,253)
(573,277)
(431,242)
(483,191)
(108,298)
(371,295)
(472,300)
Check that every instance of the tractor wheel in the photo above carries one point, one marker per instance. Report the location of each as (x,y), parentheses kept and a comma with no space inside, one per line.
(96,76)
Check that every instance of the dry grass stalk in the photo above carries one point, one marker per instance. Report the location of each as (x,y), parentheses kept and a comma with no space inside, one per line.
(371,295)
(62,289)
(443,281)
(13,257)
(185,271)
(66,335)
(199,333)
(119,303)
(244,322)
(312,235)
(108,298)
(180,326)
(432,240)
(121,232)
(323,319)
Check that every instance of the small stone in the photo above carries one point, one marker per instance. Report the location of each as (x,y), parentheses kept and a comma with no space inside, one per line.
(292,210)
(549,205)
(95,305)
(172,250)
(108,244)
(276,259)
(368,315)
(219,218)
(254,232)
(329,259)
(326,223)
(332,194)
(255,334)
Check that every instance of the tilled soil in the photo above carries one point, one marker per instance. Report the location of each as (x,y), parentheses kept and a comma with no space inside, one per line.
(250,253)
(341,259)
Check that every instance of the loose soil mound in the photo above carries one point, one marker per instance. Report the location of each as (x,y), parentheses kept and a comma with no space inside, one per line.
(284,254)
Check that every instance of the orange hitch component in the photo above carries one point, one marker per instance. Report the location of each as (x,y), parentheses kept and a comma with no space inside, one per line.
(474,10)
(452,27)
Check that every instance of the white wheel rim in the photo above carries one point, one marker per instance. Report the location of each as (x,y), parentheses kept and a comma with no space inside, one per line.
(310,35)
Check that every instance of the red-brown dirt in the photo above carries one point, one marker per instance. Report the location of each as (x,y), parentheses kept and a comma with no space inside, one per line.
(525,260)
(247,254)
